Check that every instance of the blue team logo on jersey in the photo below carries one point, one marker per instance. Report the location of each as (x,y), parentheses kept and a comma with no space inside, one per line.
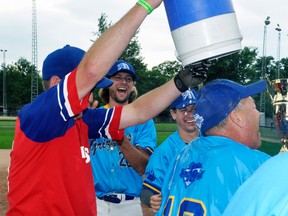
(191,173)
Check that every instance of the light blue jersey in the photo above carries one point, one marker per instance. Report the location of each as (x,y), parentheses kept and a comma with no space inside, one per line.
(111,171)
(265,193)
(160,160)
(206,174)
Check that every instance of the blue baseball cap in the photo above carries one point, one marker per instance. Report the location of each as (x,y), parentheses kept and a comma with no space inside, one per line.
(63,61)
(185,99)
(122,66)
(217,99)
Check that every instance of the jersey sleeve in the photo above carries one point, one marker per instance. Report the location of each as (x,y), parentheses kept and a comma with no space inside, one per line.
(155,171)
(159,162)
(50,114)
(146,136)
(104,123)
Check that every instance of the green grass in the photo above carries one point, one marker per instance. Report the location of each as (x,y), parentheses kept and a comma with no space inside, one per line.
(166,127)
(163,131)
(6,133)
(271,148)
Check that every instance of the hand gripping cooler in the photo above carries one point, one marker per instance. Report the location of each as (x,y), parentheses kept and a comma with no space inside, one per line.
(202,29)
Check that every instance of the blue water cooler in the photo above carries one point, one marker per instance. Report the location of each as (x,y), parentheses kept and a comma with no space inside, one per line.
(203,29)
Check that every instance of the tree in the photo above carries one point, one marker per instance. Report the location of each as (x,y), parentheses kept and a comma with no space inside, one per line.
(284,68)
(244,67)
(147,79)
(131,54)
(239,67)
(18,84)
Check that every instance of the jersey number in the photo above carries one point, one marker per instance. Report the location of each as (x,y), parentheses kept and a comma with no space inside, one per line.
(187,206)
(123,162)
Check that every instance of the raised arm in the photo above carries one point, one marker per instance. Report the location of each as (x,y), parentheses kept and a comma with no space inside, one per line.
(108,48)
(152,103)
(149,105)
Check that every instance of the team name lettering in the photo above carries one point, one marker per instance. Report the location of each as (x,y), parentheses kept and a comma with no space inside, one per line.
(85,153)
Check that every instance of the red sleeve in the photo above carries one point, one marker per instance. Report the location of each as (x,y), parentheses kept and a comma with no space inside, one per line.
(114,131)
(74,93)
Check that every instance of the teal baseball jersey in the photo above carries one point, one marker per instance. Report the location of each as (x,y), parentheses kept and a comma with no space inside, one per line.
(206,174)
(160,160)
(265,192)
(111,171)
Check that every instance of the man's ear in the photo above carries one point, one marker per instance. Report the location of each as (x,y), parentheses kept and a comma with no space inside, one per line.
(173,114)
(237,118)
(54,80)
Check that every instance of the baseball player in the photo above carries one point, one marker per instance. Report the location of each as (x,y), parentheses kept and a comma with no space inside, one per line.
(182,111)
(209,170)
(48,147)
(118,167)
(265,192)
(50,171)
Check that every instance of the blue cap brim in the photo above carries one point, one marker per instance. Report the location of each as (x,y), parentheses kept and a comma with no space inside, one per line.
(104,83)
(254,88)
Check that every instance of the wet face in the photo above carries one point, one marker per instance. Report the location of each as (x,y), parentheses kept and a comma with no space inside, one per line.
(121,88)
(185,119)
(251,118)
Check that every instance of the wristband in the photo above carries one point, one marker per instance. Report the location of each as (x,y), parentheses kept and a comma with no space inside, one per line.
(179,83)
(146,5)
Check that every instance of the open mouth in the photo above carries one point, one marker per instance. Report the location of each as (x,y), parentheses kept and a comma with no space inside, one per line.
(190,121)
(122,91)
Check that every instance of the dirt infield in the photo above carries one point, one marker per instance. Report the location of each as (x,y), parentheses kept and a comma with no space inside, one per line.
(4,163)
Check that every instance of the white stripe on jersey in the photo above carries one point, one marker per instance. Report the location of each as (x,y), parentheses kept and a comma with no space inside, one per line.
(59,102)
(65,93)
(105,125)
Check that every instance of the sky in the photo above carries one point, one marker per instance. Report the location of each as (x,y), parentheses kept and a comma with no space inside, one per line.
(61,22)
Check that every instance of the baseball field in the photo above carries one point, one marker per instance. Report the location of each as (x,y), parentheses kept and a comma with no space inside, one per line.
(270,138)
(270,145)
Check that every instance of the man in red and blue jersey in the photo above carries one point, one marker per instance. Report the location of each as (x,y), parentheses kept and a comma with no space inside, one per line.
(50,171)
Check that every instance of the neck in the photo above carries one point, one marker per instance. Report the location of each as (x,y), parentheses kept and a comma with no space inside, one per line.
(188,137)
(113,103)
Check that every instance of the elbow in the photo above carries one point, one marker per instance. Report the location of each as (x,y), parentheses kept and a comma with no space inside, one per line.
(141,172)
(141,169)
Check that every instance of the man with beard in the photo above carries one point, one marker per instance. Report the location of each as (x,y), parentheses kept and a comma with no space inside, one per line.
(118,166)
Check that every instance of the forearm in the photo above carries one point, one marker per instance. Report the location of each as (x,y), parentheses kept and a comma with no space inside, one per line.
(135,157)
(149,105)
(107,49)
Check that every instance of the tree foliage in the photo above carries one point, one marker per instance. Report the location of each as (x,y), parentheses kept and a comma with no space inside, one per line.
(239,67)
(18,84)
(243,67)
